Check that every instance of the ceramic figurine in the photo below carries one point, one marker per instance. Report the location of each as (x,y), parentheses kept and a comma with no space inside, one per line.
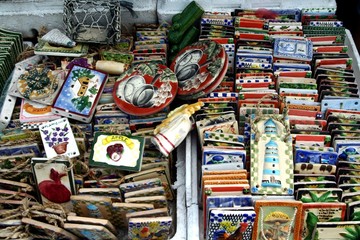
(172,131)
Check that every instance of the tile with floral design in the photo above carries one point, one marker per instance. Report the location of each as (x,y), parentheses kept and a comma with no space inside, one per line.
(58,138)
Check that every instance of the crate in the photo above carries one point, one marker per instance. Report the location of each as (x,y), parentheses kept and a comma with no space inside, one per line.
(193,167)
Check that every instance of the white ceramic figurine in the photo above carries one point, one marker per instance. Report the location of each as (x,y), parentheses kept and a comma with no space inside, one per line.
(173,130)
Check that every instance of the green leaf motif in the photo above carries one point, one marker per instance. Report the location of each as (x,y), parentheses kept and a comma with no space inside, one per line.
(81,103)
(214,67)
(324,197)
(337,219)
(347,236)
(355,216)
(352,233)
(306,200)
(311,221)
(314,197)
(146,69)
(93,90)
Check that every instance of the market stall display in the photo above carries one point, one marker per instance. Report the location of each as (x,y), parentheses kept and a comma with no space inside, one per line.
(91,132)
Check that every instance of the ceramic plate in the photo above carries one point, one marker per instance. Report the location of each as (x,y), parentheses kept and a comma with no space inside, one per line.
(209,88)
(145,89)
(198,65)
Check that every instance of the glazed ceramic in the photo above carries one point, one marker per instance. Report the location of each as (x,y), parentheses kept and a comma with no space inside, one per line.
(145,89)
(198,66)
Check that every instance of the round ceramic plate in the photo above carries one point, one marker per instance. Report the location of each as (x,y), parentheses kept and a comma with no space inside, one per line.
(145,89)
(210,88)
(37,83)
(198,65)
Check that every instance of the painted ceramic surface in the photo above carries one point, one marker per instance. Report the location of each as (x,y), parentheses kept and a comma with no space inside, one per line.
(159,172)
(209,88)
(80,90)
(225,138)
(145,89)
(91,232)
(117,151)
(199,65)
(154,228)
(276,222)
(292,48)
(310,168)
(218,157)
(308,195)
(271,158)
(225,224)
(226,127)
(339,230)
(48,231)
(33,111)
(309,156)
(55,183)
(140,185)
(122,209)
(320,212)
(225,201)
(37,83)
(58,138)
(94,209)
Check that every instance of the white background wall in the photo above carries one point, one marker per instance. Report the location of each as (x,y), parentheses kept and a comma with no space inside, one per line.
(22,15)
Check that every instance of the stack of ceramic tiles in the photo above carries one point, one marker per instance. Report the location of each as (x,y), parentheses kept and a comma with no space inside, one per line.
(218,26)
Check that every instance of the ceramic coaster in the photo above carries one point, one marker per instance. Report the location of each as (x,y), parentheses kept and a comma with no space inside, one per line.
(37,83)
(293,49)
(140,185)
(54,180)
(277,220)
(93,221)
(58,138)
(158,212)
(149,228)
(117,151)
(80,93)
(121,209)
(338,230)
(157,201)
(145,89)
(56,37)
(93,232)
(320,212)
(233,222)
(35,112)
(198,66)
(93,206)
(159,172)
(49,230)
(271,172)
(156,191)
